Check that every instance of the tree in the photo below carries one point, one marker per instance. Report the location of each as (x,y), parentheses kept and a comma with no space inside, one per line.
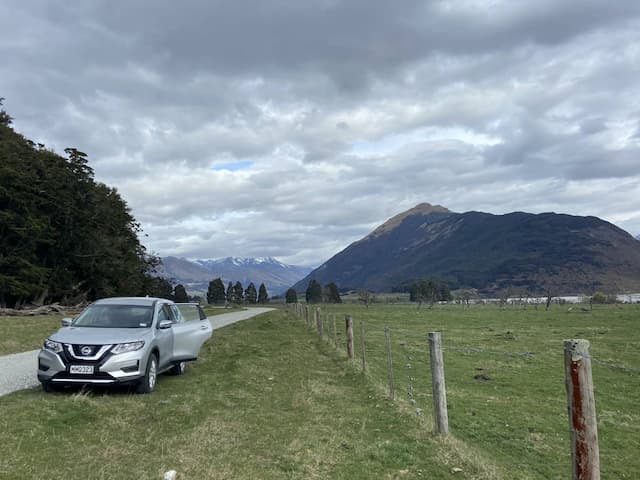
(5,119)
(229,294)
(314,292)
(250,294)
(215,292)
(263,296)
(430,291)
(291,296)
(364,296)
(333,295)
(237,293)
(63,236)
(180,294)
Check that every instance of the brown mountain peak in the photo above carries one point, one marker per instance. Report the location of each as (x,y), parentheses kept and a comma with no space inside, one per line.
(420,209)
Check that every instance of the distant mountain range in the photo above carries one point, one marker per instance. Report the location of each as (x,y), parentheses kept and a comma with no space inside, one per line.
(564,253)
(195,275)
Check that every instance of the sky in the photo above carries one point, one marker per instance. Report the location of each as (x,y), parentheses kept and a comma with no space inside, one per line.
(291,129)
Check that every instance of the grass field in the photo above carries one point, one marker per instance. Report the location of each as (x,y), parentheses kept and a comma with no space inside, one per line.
(269,399)
(266,400)
(22,333)
(505,377)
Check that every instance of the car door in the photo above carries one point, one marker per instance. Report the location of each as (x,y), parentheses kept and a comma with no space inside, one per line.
(191,329)
(164,337)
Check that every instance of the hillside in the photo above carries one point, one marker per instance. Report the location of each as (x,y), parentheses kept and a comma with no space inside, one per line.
(195,275)
(564,253)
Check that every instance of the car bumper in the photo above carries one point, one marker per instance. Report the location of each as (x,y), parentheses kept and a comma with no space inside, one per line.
(123,368)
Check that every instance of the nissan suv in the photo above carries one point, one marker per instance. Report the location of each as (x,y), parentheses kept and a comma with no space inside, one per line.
(123,341)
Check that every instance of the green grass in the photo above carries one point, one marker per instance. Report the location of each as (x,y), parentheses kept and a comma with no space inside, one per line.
(19,334)
(22,333)
(516,414)
(266,400)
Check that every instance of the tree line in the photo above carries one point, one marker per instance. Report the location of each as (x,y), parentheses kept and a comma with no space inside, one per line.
(235,293)
(63,236)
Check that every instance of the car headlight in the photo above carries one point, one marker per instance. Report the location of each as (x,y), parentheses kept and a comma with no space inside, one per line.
(127,347)
(53,346)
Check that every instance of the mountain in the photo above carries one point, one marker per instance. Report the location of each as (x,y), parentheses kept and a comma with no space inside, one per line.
(568,254)
(195,275)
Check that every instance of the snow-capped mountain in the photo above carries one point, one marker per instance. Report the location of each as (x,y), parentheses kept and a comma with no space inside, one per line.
(195,274)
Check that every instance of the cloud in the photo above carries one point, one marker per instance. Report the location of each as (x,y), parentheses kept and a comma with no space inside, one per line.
(291,129)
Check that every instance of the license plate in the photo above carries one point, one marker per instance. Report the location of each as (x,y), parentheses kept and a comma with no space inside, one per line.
(81,369)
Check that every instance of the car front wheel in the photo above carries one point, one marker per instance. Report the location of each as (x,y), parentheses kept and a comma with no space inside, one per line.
(148,382)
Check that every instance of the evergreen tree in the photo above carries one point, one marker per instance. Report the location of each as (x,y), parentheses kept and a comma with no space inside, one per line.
(250,294)
(229,294)
(237,294)
(314,292)
(180,294)
(215,292)
(291,296)
(263,296)
(333,295)
(64,236)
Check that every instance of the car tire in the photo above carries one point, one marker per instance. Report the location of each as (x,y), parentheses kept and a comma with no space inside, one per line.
(48,387)
(178,368)
(148,383)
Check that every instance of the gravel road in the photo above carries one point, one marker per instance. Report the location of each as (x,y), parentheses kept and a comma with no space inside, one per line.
(18,370)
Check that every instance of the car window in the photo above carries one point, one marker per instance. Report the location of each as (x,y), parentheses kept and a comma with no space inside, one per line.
(190,312)
(115,316)
(164,313)
(177,316)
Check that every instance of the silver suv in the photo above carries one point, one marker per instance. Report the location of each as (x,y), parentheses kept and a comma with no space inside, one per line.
(123,340)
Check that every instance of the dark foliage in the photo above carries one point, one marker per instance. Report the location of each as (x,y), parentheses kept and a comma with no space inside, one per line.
(314,292)
(430,291)
(237,293)
(331,293)
(263,296)
(291,296)
(250,294)
(63,236)
(229,293)
(215,292)
(180,294)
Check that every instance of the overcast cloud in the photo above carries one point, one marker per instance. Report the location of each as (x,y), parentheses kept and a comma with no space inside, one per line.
(291,129)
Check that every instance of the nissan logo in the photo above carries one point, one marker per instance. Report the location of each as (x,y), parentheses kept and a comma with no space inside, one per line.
(86,350)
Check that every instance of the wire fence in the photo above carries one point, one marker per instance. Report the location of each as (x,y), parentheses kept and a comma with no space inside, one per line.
(487,394)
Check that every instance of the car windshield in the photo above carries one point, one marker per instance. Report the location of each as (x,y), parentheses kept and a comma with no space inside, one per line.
(115,316)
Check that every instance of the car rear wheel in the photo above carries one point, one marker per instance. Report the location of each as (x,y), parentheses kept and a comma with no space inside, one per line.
(178,369)
(148,382)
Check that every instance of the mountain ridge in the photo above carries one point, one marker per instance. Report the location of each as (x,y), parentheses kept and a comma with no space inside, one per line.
(195,274)
(533,252)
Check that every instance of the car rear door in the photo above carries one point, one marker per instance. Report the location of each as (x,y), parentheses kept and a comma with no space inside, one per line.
(190,330)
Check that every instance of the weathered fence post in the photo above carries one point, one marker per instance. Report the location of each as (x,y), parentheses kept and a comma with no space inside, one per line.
(335,331)
(318,318)
(349,326)
(306,314)
(362,352)
(583,428)
(441,418)
(387,337)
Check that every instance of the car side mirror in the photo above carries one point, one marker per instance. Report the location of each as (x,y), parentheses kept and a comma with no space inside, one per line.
(164,324)
(66,322)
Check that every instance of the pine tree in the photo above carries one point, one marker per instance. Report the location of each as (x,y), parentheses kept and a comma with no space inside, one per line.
(215,292)
(314,292)
(237,294)
(333,295)
(250,294)
(180,294)
(291,296)
(263,296)
(229,294)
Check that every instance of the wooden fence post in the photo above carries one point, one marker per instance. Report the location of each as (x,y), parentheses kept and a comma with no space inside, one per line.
(335,331)
(387,337)
(362,352)
(349,327)
(441,418)
(583,428)
(318,321)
